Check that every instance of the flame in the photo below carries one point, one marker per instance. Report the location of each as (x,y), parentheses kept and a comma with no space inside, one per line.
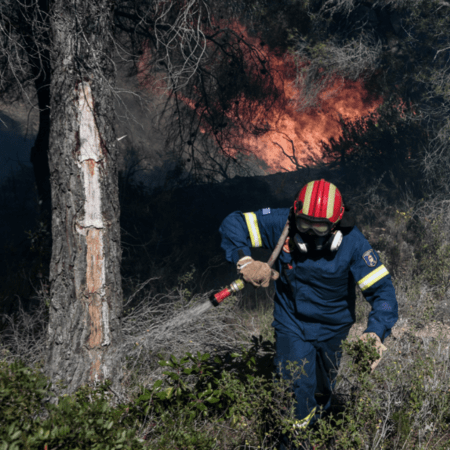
(304,131)
(273,134)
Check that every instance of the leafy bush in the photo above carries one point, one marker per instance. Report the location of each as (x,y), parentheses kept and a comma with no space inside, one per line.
(198,394)
(28,420)
(236,390)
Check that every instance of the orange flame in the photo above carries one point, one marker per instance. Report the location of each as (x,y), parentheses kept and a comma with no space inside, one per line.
(306,130)
(284,127)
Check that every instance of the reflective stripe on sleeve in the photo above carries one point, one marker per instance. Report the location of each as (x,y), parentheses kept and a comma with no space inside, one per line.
(372,278)
(253,229)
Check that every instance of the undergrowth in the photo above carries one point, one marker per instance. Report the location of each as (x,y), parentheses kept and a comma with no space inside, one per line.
(231,400)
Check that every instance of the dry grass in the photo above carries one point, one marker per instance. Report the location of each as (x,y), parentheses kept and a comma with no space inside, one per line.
(170,324)
(153,324)
(23,333)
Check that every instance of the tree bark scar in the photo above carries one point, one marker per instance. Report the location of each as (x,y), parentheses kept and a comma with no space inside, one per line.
(95,275)
(95,316)
(92,227)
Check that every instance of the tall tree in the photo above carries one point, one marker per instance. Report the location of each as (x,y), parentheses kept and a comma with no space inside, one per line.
(84,330)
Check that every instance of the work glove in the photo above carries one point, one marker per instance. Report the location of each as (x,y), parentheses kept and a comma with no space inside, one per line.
(380,348)
(257,273)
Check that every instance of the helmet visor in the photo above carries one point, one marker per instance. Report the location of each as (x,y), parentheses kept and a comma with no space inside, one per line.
(320,228)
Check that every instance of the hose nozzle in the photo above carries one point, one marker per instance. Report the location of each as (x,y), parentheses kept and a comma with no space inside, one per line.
(235,286)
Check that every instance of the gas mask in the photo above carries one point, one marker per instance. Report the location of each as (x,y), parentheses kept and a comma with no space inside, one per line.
(308,242)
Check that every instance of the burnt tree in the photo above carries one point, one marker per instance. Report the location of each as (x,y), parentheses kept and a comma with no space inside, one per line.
(85,334)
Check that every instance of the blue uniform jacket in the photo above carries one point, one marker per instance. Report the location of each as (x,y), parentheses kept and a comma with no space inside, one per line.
(315,294)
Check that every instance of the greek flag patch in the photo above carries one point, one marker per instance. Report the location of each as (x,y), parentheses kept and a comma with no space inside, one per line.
(265,211)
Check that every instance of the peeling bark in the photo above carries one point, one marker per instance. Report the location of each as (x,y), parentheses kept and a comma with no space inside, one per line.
(84,330)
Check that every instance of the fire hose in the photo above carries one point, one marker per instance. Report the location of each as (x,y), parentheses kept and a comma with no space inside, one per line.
(238,285)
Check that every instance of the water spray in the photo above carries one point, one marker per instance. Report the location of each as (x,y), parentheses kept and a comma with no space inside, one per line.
(168,328)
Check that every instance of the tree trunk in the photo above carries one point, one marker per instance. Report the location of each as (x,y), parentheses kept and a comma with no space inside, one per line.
(85,334)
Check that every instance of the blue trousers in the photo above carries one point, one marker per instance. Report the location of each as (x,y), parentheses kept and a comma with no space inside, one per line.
(323,360)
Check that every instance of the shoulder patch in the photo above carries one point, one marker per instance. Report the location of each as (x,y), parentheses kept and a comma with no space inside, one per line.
(369,258)
(265,211)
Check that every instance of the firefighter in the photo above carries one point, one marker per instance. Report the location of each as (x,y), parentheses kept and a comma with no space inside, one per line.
(322,259)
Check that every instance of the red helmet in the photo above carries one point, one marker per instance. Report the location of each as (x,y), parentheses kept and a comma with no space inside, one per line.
(321,202)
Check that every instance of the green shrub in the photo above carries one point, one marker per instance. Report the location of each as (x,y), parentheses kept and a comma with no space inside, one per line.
(80,421)
(203,402)
(235,389)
